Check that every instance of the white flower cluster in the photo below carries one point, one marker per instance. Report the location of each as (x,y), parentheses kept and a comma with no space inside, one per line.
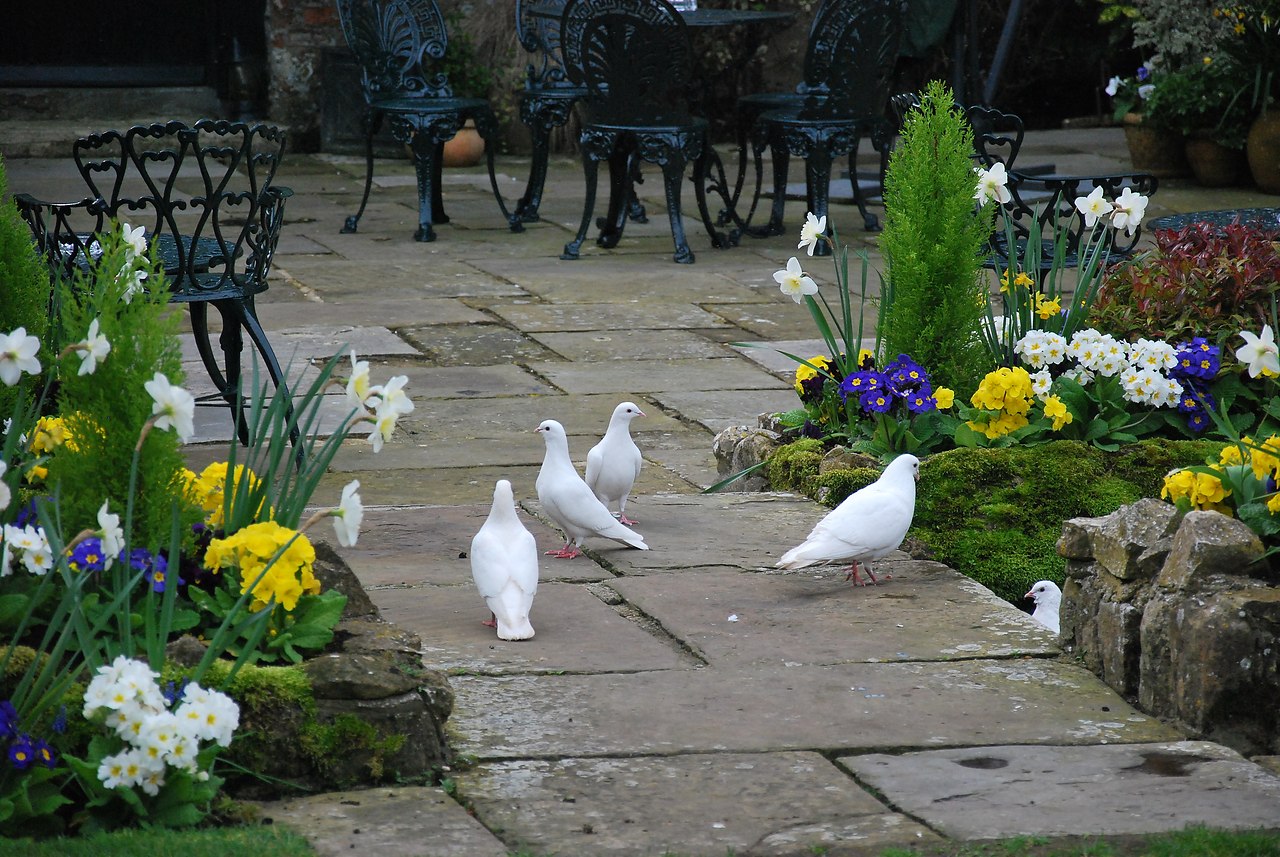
(1140,366)
(127,694)
(388,402)
(31,545)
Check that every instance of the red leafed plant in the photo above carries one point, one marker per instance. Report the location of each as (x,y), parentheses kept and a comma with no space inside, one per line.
(1202,280)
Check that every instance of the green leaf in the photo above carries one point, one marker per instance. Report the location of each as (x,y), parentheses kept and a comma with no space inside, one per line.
(1259,519)
(13,608)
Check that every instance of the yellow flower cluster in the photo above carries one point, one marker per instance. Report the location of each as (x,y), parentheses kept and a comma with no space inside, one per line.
(208,490)
(1202,490)
(251,549)
(1021,280)
(1055,410)
(804,373)
(1047,308)
(1008,392)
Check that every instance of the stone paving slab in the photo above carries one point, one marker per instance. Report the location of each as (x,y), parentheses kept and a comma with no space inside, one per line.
(538,318)
(474,344)
(999,791)
(871,707)
(811,618)
(373,280)
(460,382)
(776,320)
(415,487)
(405,821)
(744,531)
(630,281)
(603,346)
(585,419)
(416,545)
(653,376)
(400,314)
(761,804)
(574,632)
(718,410)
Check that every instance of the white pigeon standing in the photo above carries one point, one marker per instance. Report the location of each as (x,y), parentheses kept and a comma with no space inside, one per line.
(504,565)
(1048,599)
(614,463)
(869,524)
(570,503)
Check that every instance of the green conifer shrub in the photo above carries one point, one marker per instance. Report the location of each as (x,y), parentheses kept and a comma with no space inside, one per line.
(24,282)
(934,297)
(104,412)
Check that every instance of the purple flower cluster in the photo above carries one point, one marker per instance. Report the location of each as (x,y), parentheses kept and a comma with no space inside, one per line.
(23,750)
(87,556)
(903,380)
(155,565)
(1198,364)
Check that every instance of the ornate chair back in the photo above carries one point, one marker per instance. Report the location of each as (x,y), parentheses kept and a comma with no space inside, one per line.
(398,44)
(853,46)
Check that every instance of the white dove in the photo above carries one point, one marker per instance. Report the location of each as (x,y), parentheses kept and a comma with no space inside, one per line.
(570,503)
(613,464)
(504,565)
(870,522)
(1048,598)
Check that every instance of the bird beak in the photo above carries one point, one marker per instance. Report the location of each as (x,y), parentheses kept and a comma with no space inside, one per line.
(1030,594)
(641,413)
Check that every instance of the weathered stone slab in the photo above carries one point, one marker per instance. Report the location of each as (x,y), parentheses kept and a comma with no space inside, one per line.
(925,612)
(720,409)
(574,632)
(781,319)
(585,419)
(475,345)
(396,313)
(869,707)
(214,424)
(633,280)
(407,821)
(647,376)
(442,486)
(990,792)
(600,345)
(745,531)
(537,318)
(461,382)
(775,803)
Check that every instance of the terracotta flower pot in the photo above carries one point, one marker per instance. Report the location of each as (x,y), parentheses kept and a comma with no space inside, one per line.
(1153,151)
(1213,164)
(465,149)
(1263,149)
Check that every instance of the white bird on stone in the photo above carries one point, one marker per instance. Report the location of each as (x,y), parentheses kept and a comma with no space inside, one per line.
(570,503)
(869,524)
(504,565)
(1048,598)
(614,463)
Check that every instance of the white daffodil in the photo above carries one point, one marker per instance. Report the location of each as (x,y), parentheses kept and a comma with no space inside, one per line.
(392,395)
(94,349)
(175,406)
(135,282)
(17,355)
(6,496)
(1144,91)
(1093,206)
(112,535)
(349,514)
(1259,352)
(812,232)
(1113,86)
(135,238)
(359,390)
(993,183)
(385,418)
(1130,208)
(793,282)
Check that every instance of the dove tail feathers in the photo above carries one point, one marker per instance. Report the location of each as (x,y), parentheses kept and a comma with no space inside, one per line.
(627,537)
(795,558)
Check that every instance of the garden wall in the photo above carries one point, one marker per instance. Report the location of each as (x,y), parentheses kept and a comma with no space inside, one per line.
(1180,614)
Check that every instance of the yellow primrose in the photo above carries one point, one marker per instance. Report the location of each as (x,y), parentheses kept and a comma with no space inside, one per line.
(1056,410)
(944,398)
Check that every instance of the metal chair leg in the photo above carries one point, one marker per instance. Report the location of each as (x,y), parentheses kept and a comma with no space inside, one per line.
(590,168)
(817,175)
(372,121)
(426,165)
(673,180)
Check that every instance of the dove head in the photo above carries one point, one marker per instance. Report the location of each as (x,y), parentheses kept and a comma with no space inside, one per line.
(905,463)
(1045,592)
(626,411)
(502,492)
(550,429)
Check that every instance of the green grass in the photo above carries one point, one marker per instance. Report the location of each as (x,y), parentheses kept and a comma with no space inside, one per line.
(247,841)
(1192,842)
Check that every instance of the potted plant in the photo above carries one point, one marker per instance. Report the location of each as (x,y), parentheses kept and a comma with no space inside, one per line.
(469,78)
(1254,43)
(1206,102)
(1154,147)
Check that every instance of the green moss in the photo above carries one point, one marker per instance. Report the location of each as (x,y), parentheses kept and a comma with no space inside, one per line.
(345,737)
(792,465)
(996,514)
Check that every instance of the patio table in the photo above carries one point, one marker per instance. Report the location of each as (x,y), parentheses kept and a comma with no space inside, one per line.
(1262,218)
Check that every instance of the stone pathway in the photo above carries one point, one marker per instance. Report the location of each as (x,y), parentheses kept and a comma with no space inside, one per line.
(689,699)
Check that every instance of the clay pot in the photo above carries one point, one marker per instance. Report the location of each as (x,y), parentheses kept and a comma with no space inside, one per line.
(1160,153)
(1263,149)
(464,149)
(1213,164)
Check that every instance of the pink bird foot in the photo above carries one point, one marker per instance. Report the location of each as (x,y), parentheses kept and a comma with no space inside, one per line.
(491,622)
(623,519)
(569,551)
(858,581)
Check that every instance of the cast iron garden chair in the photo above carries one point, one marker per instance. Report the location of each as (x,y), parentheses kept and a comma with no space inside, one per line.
(634,60)
(399,44)
(204,194)
(848,69)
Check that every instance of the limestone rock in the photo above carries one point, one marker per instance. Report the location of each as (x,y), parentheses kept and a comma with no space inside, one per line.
(334,573)
(739,447)
(839,458)
(1207,543)
(342,675)
(1118,541)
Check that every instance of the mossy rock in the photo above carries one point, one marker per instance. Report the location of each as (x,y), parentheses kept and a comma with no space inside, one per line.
(996,514)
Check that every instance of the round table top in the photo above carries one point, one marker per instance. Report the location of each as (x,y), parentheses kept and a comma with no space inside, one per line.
(1262,218)
(734,17)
